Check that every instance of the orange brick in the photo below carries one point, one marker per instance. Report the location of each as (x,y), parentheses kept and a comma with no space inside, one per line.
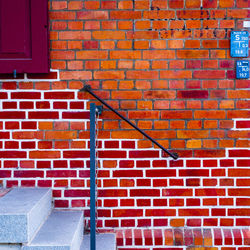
(126,135)
(226,104)
(144,124)
(124,44)
(178,124)
(108,75)
(75,64)
(210,143)
(238,94)
(58,64)
(238,13)
(210,24)
(177,64)
(192,54)
(242,4)
(159,14)
(141,44)
(111,125)
(92,25)
(75,5)
(210,104)
(108,25)
(125,54)
(107,44)
(75,35)
(141,25)
(194,144)
(185,134)
(193,24)
(92,54)
(91,5)
(177,222)
(142,84)
(175,44)
(160,84)
(83,75)
(178,144)
(125,5)
(125,64)
(161,124)
(212,64)
(176,24)
(125,25)
(142,74)
(91,65)
(226,3)
(158,44)
(126,95)
(45,125)
(211,114)
(210,124)
(177,105)
(128,104)
(44,154)
(192,44)
(108,64)
(75,25)
(141,64)
(126,85)
(158,54)
(142,34)
(207,84)
(160,24)
(108,34)
(62,15)
(125,14)
(144,105)
(109,85)
(142,4)
(159,64)
(194,124)
(209,43)
(193,3)
(59,5)
(161,104)
(74,44)
(59,25)
(227,24)
(177,74)
(176,4)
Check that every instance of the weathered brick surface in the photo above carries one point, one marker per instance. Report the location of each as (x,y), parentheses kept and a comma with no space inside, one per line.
(166,66)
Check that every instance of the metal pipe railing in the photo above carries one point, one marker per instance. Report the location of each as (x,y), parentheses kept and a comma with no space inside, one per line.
(88,89)
(92,177)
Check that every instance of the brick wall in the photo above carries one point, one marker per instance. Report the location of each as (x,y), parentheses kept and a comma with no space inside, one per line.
(166,66)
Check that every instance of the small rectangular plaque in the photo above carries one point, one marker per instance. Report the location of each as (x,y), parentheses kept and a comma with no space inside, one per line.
(239,44)
(242,69)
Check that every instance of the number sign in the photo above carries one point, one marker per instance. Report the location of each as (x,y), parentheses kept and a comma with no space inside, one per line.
(239,43)
(242,69)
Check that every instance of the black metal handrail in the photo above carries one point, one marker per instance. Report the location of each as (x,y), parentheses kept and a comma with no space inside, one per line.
(88,89)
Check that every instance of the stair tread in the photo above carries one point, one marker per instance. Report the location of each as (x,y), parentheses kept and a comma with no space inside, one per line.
(22,211)
(58,230)
(21,200)
(105,241)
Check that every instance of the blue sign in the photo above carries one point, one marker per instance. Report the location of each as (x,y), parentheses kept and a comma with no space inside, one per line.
(239,43)
(242,69)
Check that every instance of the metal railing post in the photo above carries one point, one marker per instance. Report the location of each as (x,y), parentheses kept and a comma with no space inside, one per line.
(92,176)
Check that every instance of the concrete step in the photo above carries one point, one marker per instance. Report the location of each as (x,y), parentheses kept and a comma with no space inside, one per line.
(62,231)
(105,241)
(22,211)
